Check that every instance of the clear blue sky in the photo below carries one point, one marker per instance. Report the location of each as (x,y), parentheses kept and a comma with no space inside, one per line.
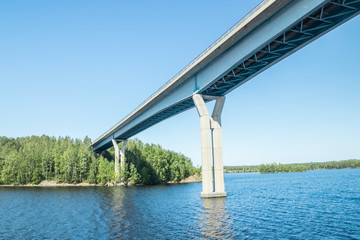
(76,68)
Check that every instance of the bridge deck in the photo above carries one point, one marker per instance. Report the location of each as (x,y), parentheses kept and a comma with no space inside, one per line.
(320,18)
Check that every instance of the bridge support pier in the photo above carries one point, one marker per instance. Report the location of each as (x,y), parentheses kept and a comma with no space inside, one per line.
(213,184)
(119,155)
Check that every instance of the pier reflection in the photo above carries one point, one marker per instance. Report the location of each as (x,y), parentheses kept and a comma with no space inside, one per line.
(215,222)
(119,210)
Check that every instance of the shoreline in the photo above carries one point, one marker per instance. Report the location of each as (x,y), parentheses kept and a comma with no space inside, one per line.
(53,183)
(46,183)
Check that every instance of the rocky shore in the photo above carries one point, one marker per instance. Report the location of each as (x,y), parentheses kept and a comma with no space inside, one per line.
(191,179)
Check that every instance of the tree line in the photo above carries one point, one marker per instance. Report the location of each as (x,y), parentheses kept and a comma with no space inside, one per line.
(295,167)
(30,160)
(277,168)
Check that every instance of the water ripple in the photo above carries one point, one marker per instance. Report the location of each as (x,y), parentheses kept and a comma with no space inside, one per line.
(311,205)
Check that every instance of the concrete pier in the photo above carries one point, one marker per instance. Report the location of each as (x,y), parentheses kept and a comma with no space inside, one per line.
(119,155)
(213,184)
(122,158)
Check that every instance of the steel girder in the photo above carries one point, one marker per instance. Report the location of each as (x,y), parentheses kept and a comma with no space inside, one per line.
(311,27)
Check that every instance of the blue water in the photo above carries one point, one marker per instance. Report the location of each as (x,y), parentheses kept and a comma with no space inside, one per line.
(311,205)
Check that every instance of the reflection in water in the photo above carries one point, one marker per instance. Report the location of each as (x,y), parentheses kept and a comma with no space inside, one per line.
(215,221)
(118,211)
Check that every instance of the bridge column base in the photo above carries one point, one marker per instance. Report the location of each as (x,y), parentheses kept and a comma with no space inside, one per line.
(212,169)
(213,194)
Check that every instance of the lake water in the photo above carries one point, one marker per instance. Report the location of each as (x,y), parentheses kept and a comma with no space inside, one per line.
(311,205)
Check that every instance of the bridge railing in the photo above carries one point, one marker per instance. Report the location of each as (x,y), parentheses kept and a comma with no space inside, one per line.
(224,35)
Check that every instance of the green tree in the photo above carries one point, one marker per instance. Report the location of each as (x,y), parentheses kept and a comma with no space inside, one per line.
(106,171)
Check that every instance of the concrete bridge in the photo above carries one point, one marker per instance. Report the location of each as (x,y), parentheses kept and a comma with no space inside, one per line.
(273,30)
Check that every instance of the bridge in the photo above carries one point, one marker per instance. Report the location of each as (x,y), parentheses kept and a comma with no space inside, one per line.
(273,30)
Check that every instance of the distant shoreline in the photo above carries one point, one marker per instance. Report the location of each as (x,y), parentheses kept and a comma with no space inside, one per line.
(294,167)
(320,169)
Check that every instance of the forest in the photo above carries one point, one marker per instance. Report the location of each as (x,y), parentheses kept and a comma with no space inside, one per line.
(30,160)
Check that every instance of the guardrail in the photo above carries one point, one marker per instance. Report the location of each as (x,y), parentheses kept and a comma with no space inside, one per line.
(259,5)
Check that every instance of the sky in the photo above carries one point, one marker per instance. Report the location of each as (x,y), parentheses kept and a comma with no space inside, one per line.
(76,68)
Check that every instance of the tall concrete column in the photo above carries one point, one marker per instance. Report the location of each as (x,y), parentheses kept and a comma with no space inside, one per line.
(213,184)
(117,157)
(217,146)
(122,157)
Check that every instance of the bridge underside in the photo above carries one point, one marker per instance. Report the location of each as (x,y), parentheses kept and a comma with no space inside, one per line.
(300,34)
(303,32)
